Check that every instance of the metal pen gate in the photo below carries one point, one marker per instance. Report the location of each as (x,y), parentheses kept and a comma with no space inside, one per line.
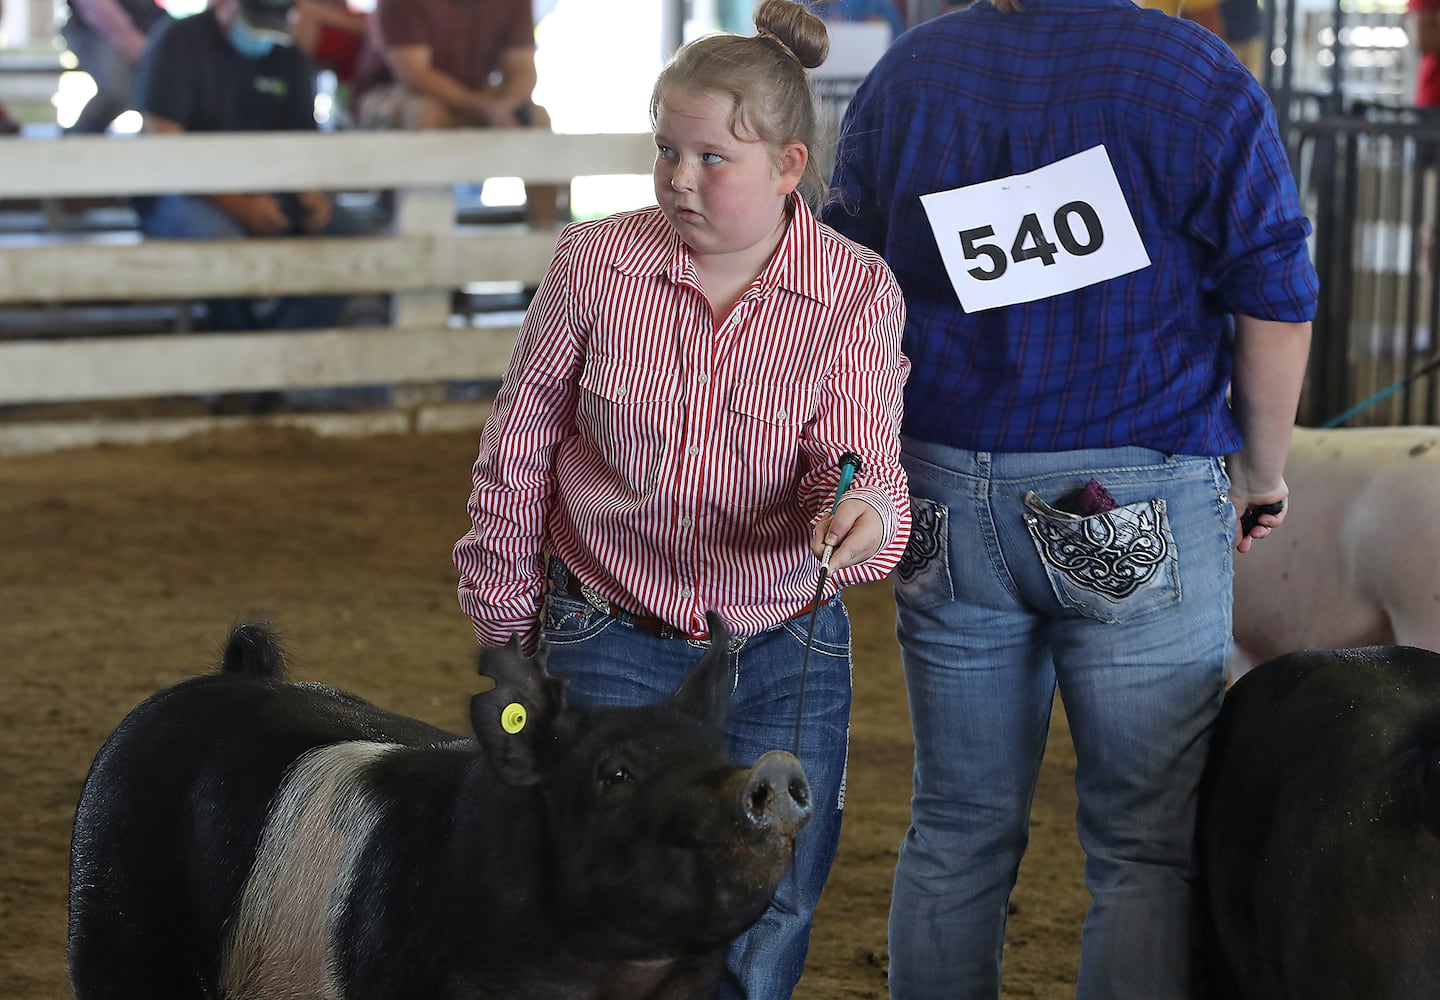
(1368,183)
(1341,77)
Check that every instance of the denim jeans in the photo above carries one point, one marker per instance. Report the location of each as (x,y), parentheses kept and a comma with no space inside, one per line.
(1127,612)
(194,217)
(606,659)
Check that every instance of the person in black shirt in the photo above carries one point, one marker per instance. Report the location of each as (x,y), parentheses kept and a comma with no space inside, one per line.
(233,68)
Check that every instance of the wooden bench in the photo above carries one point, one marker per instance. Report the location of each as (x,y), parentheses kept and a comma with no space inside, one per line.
(419,262)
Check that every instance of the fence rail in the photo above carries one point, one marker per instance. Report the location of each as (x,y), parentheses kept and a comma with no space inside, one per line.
(419,262)
(1368,180)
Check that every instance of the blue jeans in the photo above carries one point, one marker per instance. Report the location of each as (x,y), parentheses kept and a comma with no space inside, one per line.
(1000,601)
(195,217)
(606,659)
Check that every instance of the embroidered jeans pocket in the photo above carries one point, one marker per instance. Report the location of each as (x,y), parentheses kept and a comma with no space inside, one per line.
(922,579)
(569,619)
(1110,566)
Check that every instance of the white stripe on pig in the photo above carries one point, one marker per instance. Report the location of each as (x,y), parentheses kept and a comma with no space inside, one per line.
(279,943)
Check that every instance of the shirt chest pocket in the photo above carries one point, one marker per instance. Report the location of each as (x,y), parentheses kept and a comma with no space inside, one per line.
(764,427)
(628,414)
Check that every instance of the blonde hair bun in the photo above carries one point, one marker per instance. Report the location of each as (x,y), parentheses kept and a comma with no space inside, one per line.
(796,28)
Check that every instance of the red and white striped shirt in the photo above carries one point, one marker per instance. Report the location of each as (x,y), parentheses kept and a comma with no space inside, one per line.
(675,464)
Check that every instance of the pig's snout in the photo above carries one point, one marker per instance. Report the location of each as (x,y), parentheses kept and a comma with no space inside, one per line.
(776,795)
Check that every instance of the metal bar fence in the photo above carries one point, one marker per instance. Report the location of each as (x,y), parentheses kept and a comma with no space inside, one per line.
(1368,182)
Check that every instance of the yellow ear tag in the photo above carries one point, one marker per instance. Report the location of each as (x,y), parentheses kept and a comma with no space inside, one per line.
(512,720)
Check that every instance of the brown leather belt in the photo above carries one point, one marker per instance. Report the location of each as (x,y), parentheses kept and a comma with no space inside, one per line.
(658,626)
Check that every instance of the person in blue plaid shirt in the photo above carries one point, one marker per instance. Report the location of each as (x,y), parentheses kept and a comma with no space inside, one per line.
(1105,264)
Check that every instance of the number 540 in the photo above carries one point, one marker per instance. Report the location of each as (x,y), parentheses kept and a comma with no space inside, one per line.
(1031,241)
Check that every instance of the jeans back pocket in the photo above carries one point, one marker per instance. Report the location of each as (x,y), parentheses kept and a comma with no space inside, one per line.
(1111,566)
(922,577)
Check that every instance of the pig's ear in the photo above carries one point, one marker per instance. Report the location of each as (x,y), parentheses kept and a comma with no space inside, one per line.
(513,717)
(705,695)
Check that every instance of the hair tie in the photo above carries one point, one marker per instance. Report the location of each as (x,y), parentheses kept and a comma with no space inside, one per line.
(770,36)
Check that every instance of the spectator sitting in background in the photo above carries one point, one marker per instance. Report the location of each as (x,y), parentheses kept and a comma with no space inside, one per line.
(1243,32)
(232,68)
(107,38)
(1424,23)
(330,33)
(435,63)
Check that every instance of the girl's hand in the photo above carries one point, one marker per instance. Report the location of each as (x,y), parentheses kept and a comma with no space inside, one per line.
(856,531)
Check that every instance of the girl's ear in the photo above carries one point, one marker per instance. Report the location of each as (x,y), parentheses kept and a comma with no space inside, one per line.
(791,166)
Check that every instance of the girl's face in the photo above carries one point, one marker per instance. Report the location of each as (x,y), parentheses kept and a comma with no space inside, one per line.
(723,195)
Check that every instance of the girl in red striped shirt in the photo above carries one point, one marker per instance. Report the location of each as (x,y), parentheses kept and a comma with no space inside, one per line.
(666,440)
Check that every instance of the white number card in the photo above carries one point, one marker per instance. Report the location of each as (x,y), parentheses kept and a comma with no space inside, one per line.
(1034,235)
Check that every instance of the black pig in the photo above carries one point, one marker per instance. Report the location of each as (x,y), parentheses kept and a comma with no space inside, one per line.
(1319,829)
(241,836)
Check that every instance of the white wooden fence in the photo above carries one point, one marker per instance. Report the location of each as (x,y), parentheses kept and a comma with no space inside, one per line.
(28,81)
(422,260)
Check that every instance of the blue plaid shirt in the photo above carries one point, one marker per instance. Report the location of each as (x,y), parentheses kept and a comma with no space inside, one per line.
(1142,359)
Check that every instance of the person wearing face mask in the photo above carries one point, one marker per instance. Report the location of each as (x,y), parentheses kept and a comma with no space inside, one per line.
(233,67)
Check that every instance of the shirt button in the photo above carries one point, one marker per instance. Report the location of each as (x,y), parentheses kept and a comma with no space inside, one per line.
(622,390)
(685,522)
(781,414)
(703,378)
(685,592)
(693,450)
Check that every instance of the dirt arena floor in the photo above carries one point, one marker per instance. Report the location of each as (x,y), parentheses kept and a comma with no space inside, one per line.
(121,570)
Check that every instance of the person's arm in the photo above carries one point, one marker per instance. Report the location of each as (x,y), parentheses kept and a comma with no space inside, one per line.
(1425,28)
(517,78)
(260,214)
(502,576)
(312,15)
(860,411)
(1204,13)
(1270,360)
(336,15)
(495,106)
(153,124)
(316,210)
(114,25)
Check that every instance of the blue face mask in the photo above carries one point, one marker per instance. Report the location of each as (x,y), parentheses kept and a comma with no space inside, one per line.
(247,42)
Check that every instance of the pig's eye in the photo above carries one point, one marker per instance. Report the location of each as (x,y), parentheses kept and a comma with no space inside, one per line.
(611,771)
(612,776)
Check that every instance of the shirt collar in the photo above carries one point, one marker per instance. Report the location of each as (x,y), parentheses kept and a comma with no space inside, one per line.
(797,265)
